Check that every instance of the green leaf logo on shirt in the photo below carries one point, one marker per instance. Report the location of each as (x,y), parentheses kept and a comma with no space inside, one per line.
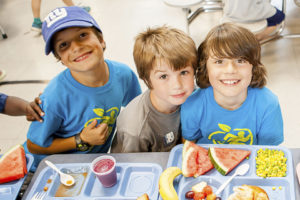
(109,117)
(237,136)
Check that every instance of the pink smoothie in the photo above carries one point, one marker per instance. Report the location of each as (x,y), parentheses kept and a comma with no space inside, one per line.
(103,165)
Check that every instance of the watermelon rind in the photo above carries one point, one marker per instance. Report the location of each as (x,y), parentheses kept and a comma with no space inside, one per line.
(187,144)
(189,157)
(9,151)
(216,162)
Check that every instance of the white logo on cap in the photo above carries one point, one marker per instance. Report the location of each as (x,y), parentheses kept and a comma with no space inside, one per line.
(55,15)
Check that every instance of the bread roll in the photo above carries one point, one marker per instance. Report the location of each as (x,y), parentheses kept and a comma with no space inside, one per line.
(248,192)
(143,197)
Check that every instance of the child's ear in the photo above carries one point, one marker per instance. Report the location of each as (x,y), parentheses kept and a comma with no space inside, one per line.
(103,44)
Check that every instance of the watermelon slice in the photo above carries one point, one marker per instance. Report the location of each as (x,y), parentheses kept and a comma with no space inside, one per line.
(13,164)
(225,160)
(195,160)
(204,162)
(189,162)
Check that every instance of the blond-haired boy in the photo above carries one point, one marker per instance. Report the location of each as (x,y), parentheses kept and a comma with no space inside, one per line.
(166,60)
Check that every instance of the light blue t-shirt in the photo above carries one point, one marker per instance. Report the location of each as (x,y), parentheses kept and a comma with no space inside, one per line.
(70,106)
(257,121)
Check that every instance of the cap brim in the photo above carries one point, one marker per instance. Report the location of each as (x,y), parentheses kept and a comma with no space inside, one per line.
(60,27)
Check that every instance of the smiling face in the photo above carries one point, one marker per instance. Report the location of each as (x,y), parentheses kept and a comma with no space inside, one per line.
(229,78)
(80,49)
(170,88)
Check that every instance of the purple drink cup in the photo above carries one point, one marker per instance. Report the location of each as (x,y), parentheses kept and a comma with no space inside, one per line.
(104,167)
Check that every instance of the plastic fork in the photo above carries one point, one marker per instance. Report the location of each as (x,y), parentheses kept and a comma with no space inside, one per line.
(38,196)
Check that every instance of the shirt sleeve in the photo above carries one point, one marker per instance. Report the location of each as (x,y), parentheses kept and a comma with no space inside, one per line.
(3,98)
(133,88)
(43,134)
(271,131)
(190,121)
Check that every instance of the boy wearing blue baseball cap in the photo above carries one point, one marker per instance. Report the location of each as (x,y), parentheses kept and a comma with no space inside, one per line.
(82,103)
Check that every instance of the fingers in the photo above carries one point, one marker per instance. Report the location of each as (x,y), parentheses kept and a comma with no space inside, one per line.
(34,112)
(103,128)
(29,118)
(33,115)
(93,124)
(37,108)
(95,134)
(37,100)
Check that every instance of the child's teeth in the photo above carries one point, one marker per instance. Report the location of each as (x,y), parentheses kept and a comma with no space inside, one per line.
(230,82)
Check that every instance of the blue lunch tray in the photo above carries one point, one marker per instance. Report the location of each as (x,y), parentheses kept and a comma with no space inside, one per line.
(10,190)
(215,179)
(133,180)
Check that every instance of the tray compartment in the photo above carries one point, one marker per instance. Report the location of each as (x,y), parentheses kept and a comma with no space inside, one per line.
(287,154)
(56,189)
(186,184)
(49,178)
(79,174)
(267,185)
(49,175)
(94,188)
(139,180)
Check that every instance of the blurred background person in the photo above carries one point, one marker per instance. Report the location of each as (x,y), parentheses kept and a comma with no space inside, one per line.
(36,11)
(248,11)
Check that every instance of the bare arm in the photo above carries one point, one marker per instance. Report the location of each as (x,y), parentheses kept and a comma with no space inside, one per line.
(93,134)
(183,140)
(16,106)
(58,145)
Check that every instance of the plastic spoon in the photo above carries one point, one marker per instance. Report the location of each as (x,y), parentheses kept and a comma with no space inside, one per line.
(65,179)
(241,170)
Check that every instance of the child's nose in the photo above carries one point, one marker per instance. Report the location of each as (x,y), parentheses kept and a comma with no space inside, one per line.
(75,45)
(177,82)
(231,67)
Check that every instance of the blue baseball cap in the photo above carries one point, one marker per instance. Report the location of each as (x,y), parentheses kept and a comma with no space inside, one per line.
(65,17)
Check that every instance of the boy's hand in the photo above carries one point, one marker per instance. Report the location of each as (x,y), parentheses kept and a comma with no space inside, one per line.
(95,134)
(33,110)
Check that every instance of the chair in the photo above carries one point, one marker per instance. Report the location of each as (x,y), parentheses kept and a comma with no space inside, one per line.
(278,34)
(204,6)
(4,36)
(217,5)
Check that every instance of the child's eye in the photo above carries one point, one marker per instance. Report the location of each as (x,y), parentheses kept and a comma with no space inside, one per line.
(164,76)
(82,35)
(184,72)
(62,45)
(218,61)
(240,60)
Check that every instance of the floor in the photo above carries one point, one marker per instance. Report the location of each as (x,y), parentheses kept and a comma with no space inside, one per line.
(23,55)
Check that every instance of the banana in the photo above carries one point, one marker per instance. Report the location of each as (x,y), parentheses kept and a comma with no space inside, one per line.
(166,188)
